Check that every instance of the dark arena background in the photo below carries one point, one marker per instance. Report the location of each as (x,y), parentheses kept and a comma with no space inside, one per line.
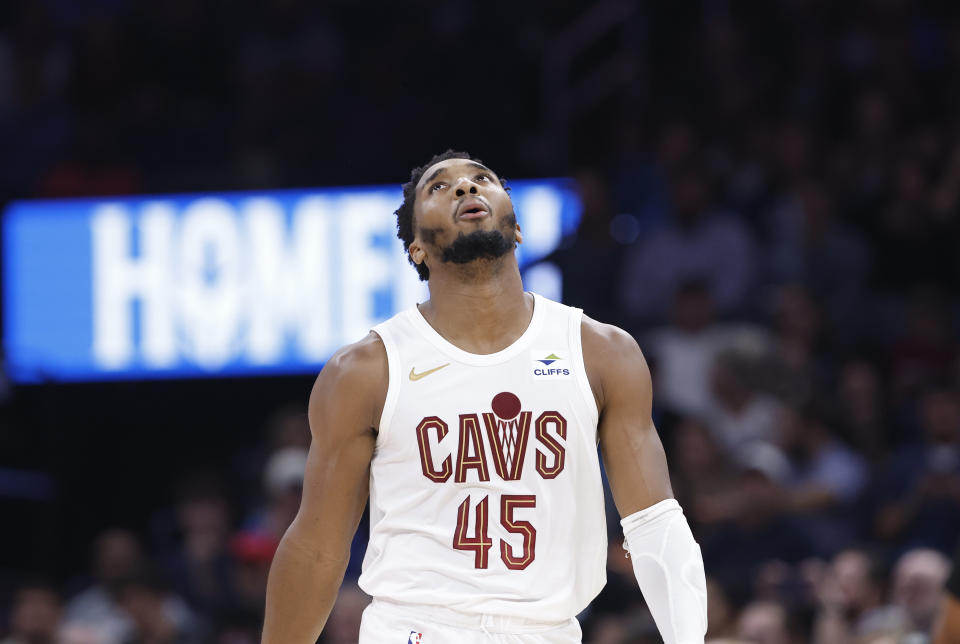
(197,205)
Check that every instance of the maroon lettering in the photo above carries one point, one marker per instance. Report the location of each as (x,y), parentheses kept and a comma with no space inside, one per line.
(470,453)
(426,457)
(479,543)
(509,502)
(551,444)
(508,441)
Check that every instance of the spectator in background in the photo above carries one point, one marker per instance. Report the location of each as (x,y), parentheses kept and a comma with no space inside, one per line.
(199,566)
(641,178)
(156,615)
(850,597)
(916,229)
(591,259)
(919,577)
(810,247)
(740,414)
(750,175)
(919,493)
(288,427)
(747,524)
(697,243)
(102,613)
(796,357)
(117,558)
(79,633)
(251,554)
(238,628)
(764,622)
(825,482)
(34,615)
(795,154)
(704,476)
(283,485)
(861,411)
(684,351)
(927,350)
(864,161)
(285,427)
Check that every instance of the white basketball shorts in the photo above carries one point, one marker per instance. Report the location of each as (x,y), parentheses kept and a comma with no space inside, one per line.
(388,623)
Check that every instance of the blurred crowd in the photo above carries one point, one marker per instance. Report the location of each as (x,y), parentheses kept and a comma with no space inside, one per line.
(773,210)
(784,247)
(134,96)
(195,573)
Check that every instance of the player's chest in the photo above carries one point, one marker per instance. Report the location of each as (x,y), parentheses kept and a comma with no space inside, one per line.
(475,429)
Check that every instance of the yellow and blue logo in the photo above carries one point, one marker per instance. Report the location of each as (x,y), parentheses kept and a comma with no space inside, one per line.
(550,359)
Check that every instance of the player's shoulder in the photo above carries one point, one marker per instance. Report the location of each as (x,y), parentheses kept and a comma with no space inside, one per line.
(357,372)
(607,340)
(363,360)
(614,362)
(351,387)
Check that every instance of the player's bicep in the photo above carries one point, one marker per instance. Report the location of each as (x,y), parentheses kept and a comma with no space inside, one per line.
(336,482)
(633,455)
(335,489)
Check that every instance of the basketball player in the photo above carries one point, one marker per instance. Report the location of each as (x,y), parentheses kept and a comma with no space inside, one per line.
(472,422)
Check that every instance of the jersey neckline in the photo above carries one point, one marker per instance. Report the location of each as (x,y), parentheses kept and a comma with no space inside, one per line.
(482,359)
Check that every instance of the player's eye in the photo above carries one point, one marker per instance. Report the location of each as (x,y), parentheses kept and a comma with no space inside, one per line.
(483,177)
(435,186)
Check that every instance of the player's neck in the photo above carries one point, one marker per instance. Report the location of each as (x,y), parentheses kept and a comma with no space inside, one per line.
(481,316)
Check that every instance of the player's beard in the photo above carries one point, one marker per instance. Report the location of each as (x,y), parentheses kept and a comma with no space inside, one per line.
(480,244)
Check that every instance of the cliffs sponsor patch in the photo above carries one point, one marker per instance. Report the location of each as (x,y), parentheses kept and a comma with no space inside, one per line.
(550,365)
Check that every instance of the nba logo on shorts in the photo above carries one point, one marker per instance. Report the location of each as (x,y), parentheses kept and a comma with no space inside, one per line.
(415,638)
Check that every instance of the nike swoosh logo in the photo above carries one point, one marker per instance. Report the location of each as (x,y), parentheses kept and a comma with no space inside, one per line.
(418,376)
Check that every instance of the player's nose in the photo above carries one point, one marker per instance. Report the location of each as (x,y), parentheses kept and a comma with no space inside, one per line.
(465,185)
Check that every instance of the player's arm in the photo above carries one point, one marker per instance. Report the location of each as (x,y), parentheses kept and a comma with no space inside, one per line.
(666,559)
(308,568)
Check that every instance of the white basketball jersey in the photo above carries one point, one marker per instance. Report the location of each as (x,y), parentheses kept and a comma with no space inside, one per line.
(485,491)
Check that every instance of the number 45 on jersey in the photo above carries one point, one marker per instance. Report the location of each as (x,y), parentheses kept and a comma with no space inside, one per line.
(507,430)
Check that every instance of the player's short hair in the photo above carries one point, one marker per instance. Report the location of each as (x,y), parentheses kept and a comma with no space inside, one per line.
(404,213)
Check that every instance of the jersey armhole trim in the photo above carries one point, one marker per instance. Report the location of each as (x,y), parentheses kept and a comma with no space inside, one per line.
(393,383)
(576,342)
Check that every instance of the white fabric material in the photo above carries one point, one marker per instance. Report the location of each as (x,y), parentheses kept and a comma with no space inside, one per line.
(387,622)
(669,569)
(480,506)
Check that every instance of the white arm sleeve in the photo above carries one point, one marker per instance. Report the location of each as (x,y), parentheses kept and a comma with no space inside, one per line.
(669,569)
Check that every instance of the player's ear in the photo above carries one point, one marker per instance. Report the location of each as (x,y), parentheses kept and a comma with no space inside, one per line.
(417,254)
(519,235)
